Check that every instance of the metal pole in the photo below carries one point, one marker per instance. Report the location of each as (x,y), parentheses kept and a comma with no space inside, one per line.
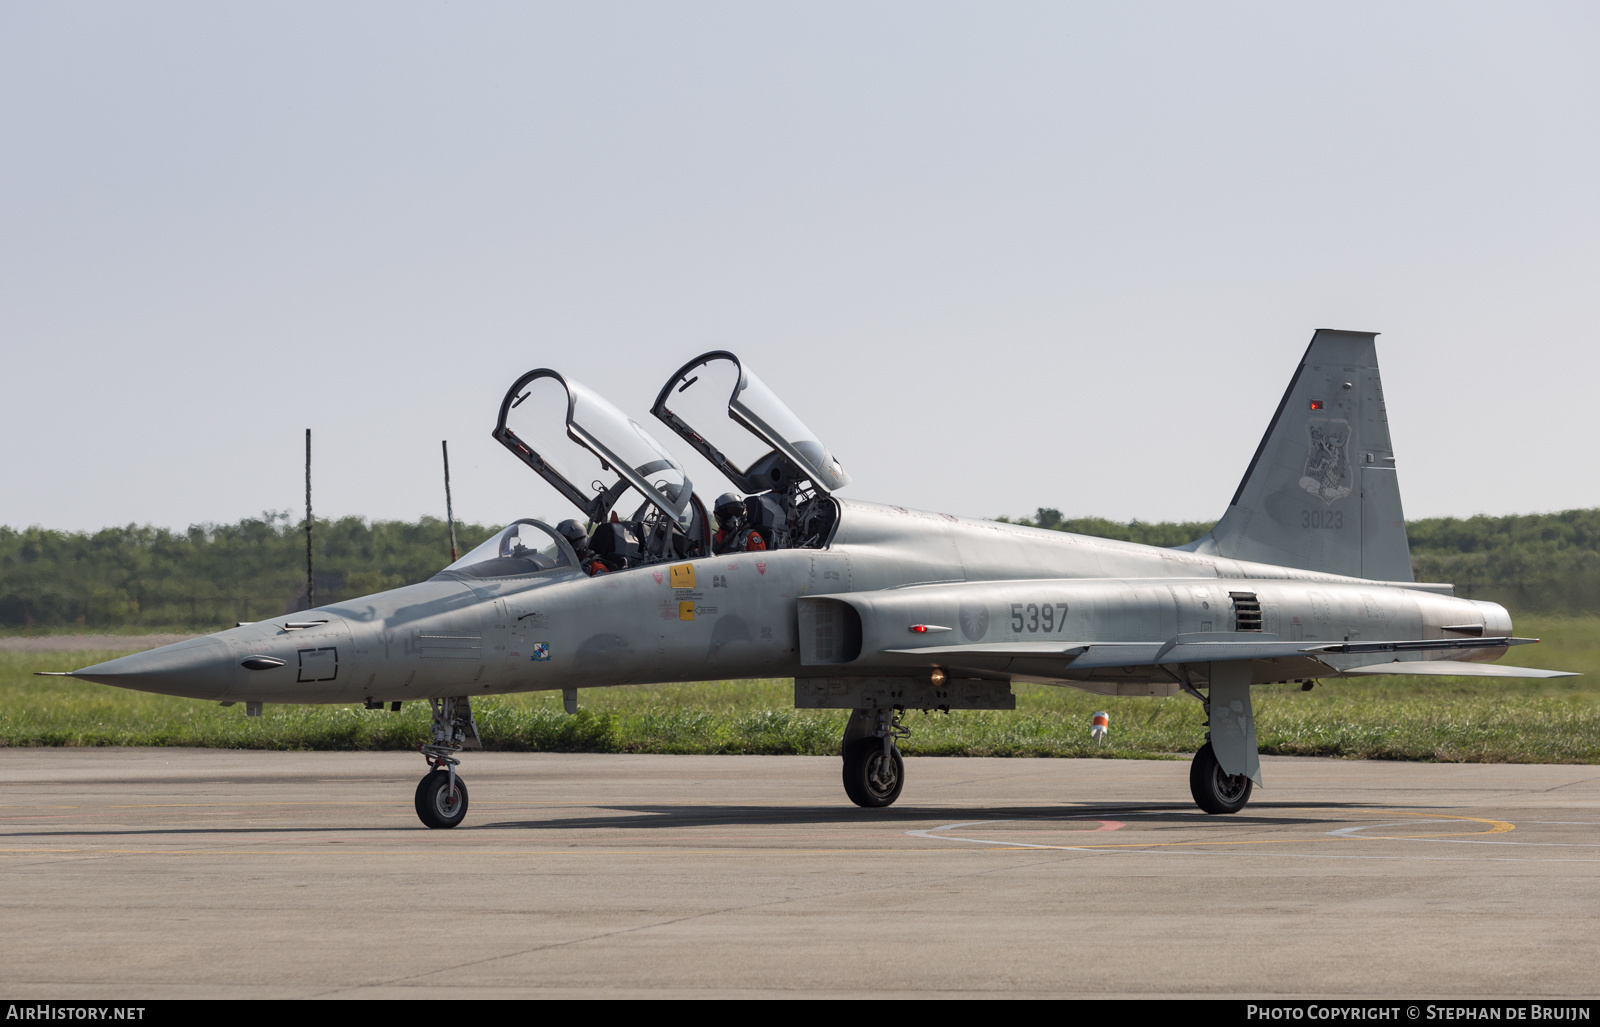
(448,512)
(311,581)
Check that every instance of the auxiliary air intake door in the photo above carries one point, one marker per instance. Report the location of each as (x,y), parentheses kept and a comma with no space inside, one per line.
(717,382)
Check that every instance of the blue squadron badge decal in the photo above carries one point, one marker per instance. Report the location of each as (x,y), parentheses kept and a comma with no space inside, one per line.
(541,651)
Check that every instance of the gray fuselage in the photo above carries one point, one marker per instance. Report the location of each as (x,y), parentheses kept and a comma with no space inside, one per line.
(736,616)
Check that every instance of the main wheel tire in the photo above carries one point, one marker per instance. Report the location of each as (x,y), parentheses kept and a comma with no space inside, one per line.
(437,805)
(868,781)
(1213,790)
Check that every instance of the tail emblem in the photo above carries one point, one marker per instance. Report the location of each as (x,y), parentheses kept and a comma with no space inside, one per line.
(1327,473)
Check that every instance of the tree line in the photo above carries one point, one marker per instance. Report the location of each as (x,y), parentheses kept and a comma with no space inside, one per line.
(216,574)
(1546,563)
(212,575)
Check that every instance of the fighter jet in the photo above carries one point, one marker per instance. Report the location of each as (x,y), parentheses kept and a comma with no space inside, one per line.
(874,609)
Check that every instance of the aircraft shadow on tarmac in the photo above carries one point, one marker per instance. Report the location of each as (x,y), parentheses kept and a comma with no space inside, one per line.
(646,816)
(640,816)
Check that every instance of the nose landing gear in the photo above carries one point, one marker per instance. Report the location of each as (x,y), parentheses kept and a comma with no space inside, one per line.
(441,799)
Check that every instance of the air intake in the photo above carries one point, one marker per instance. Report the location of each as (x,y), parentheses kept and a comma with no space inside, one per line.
(830,632)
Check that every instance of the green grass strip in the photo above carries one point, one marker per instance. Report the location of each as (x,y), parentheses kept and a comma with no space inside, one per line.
(1451,720)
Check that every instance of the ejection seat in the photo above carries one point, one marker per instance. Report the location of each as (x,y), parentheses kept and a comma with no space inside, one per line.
(786,472)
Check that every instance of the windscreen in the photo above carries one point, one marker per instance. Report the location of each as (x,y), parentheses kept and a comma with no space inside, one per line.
(523,547)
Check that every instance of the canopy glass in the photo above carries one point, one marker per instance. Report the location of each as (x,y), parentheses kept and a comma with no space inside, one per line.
(591,452)
(718,379)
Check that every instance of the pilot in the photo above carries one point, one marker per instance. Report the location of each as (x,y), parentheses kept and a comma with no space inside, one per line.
(734,535)
(588,559)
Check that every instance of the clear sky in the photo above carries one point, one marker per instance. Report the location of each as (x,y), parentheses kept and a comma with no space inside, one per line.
(997,255)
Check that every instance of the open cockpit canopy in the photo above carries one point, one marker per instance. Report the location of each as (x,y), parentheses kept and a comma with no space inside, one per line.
(786,452)
(639,503)
(544,413)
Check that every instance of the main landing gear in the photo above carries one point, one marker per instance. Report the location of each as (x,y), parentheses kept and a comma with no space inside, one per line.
(441,794)
(1231,729)
(1214,790)
(874,771)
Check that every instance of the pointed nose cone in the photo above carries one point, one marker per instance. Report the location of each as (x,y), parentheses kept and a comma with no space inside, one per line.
(200,668)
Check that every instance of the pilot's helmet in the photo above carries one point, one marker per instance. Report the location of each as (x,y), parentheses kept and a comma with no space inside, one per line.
(573,532)
(729,508)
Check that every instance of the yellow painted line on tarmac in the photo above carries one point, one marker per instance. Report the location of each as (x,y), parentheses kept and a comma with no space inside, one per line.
(1496,826)
(1499,826)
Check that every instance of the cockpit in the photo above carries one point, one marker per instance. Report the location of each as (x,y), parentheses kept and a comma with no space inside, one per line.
(636,500)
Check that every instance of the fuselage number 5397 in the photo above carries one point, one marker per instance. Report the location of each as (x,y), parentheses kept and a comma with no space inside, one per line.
(1037,617)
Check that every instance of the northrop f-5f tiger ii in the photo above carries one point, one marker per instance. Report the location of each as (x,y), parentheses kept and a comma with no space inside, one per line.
(874,609)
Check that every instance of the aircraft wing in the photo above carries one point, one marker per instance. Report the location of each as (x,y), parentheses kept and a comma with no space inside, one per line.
(1095,655)
(1115,654)
(1070,649)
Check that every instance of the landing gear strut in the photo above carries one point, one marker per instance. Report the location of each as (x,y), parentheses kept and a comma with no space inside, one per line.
(441,795)
(874,771)
(1214,789)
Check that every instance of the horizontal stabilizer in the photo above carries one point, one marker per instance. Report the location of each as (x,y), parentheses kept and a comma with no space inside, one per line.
(1438,588)
(1452,668)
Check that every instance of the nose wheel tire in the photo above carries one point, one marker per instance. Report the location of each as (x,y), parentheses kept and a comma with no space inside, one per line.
(870,780)
(1213,790)
(439,805)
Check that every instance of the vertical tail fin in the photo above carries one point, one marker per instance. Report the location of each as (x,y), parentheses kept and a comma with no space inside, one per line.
(1321,492)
